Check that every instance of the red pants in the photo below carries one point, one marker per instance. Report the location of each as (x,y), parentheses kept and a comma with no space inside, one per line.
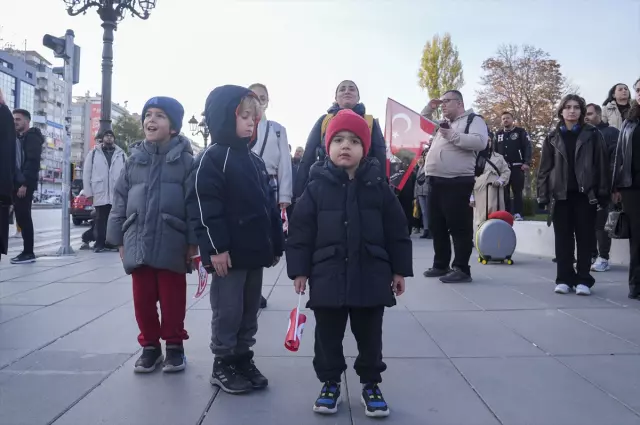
(150,286)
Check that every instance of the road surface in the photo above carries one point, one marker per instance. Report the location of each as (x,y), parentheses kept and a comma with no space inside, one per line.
(47,224)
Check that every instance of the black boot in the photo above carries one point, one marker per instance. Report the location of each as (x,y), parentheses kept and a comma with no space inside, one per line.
(226,376)
(247,368)
(426,235)
(263,302)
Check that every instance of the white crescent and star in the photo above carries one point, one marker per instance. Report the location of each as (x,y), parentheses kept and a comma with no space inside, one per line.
(404,117)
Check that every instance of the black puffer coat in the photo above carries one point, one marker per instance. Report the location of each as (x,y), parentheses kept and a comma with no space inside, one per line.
(349,237)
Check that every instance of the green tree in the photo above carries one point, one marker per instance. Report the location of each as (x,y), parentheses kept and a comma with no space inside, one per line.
(440,67)
(127,129)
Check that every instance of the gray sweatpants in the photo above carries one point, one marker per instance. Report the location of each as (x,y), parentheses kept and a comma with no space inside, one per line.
(235,302)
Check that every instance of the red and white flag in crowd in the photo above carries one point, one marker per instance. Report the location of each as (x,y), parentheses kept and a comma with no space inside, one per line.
(296,327)
(407,134)
(203,276)
(285,220)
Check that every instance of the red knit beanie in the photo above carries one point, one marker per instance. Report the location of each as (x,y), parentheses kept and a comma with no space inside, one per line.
(347,120)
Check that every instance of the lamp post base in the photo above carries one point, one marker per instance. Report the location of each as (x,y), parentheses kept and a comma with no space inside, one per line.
(65,250)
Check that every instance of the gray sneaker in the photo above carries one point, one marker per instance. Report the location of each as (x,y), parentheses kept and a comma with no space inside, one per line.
(600,265)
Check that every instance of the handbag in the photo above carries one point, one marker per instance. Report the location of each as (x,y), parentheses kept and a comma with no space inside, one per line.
(617,225)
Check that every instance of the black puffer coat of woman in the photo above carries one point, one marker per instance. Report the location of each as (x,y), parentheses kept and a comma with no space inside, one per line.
(349,237)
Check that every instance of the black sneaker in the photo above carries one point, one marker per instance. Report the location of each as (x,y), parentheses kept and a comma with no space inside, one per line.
(226,376)
(433,272)
(263,302)
(98,249)
(374,404)
(23,259)
(150,358)
(426,235)
(175,360)
(248,369)
(329,399)
(456,276)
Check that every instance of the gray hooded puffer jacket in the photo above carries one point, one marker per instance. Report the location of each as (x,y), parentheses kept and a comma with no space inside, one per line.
(148,216)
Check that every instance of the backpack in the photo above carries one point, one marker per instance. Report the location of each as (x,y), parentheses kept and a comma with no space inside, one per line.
(266,137)
(325,123)
(481,157)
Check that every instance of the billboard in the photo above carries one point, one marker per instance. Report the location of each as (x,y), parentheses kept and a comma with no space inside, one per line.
(94,123)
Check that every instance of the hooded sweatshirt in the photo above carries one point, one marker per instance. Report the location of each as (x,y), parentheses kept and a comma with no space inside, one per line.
(229,201)
(274,146)
(456,158)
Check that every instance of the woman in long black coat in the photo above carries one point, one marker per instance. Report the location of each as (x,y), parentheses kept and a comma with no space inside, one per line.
(7,167)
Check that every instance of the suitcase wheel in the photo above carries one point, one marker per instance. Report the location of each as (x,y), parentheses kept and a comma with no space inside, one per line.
(484,262)
(510,262)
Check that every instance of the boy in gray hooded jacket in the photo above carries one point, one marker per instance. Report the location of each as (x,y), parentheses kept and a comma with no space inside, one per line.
(148,222)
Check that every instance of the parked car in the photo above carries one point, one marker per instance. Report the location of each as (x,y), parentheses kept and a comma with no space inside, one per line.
(81,208)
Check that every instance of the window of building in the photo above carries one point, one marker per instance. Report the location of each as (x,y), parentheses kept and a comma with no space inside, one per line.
(28,74)
(27,97)
(6,64)
(8,87)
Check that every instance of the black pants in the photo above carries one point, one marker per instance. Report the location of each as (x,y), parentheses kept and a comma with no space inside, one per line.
(602,242)
(90,234)
(22,211)
(451,217)
(366,325)
(102,216)
(631,206)
(516,184)
(573,223)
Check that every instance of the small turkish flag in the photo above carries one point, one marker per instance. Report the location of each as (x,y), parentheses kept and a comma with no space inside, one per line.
(407,134)
(203,276)
(296,327)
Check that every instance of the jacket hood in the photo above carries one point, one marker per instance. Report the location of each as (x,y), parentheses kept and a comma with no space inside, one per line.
(220,115)
(34,131)
(358,109)
(602,125)
(368,172)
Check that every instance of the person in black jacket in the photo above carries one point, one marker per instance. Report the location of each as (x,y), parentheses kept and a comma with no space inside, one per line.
(239,232)
(602,242)
(347,97)
(28,153)
(626,186)
(7,169)
(349,239)
(573,179)
(514,144)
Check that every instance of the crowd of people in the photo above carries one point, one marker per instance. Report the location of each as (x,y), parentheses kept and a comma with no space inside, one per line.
(348,237)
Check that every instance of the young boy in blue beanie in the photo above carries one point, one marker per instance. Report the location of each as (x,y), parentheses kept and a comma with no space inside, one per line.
(148,222)
(239,232)
(349,238)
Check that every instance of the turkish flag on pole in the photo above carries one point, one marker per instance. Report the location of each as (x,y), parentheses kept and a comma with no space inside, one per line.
(407,134)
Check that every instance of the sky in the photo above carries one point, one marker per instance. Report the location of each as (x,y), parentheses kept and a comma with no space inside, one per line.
(302,49)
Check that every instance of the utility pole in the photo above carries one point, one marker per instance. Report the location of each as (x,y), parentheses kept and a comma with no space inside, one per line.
(64,47)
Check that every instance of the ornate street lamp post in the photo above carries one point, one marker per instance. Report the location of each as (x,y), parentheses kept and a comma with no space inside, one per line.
(199,128)
(111,12)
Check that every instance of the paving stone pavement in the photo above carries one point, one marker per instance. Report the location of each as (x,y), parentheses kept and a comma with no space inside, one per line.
(502,350)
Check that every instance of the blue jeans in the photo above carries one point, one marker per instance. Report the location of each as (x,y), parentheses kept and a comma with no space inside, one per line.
(422,201)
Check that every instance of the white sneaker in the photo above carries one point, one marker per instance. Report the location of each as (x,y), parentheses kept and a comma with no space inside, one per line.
(562,288)
(518,217)
(16,235)
(601,265)
(583,290)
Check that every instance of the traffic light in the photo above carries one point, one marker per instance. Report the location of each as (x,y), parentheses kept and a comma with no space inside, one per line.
(64,47)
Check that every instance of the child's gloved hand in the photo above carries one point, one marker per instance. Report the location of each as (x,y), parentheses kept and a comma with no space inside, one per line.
(398,285)
(300,284)
(221,263)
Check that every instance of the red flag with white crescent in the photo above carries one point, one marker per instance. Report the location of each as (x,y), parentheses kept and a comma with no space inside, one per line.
(407,134)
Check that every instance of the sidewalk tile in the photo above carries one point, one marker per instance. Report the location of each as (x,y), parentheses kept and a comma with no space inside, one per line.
(10,312)
(423,391)
(622,322)
(293,388)
(559,333)
(47,294)
(541,391)
(474,334)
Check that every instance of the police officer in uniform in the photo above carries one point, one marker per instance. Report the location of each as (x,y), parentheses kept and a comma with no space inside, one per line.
(514,144)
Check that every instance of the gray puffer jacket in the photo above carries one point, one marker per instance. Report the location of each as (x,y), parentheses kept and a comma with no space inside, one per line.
(148,216)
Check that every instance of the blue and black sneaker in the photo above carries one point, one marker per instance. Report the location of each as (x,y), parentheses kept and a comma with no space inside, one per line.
(329,399)
(374,404)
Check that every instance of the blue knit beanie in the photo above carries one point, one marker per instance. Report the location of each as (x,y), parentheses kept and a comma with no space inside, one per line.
(170,106)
